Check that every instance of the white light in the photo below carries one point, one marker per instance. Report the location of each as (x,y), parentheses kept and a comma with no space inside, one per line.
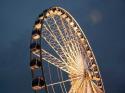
(47,14)
(89,53)
(55,12)
(50,11)
(41,17)
(37,87)
(68,19)
(59,13)
(91,58)
(38,26)
(95,78)
(36,36)
(71,23)
(83,40)
(75,28)
(93,65)
(64,16)
(79,33)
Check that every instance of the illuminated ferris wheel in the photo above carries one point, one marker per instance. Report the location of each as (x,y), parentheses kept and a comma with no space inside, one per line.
(61,59)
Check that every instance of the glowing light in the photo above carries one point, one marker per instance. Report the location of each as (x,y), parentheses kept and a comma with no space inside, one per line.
(38,26)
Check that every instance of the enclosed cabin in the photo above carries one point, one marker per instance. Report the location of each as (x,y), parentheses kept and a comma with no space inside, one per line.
(35,63)
(38,83)
(35,47)
(36,34)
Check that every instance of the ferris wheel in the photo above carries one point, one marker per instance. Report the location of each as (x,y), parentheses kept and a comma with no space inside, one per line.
(61,59)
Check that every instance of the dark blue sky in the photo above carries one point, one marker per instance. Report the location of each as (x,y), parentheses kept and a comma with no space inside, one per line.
(104,24)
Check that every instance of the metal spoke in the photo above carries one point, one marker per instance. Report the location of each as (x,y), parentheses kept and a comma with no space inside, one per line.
(53,60)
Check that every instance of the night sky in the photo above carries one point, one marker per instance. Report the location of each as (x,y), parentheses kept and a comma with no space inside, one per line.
(104,24)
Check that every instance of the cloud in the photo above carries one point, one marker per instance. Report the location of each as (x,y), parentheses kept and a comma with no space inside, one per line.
(95,16)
